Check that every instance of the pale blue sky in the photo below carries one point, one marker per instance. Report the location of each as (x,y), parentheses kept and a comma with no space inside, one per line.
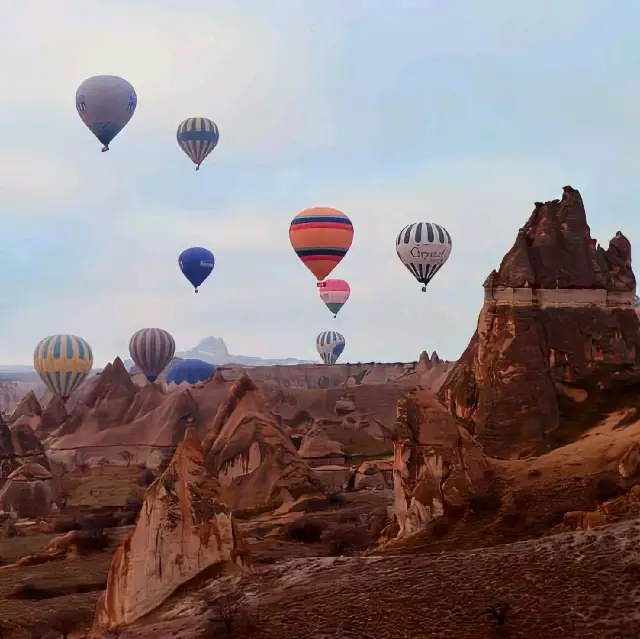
(462,112)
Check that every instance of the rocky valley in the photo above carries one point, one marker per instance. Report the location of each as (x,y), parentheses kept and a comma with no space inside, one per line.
(494,496)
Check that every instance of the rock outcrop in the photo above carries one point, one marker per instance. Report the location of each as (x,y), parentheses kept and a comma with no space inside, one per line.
(556,325)
(183,529)
(254,460)
(19,445)
(28,407)
(53,416)
(29,492)
(437,465)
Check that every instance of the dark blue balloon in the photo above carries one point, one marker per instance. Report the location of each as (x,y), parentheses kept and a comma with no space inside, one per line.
(191,371)
(196,264)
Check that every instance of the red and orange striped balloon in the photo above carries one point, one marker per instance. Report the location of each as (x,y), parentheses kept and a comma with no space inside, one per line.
(321,237)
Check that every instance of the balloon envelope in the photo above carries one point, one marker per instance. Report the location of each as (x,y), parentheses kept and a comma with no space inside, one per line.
(423,247)
(190,371)
(334,293)
(321,237)
(152,350)
(330,345)
(197,137)
(63,363)
(196,264)
(106,103)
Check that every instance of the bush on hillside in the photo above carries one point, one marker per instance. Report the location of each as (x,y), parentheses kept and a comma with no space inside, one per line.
(305,530)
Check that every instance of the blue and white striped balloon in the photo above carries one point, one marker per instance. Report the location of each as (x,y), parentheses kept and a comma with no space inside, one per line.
(197,137)
(330,345)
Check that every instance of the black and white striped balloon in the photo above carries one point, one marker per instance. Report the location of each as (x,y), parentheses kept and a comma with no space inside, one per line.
(423,247)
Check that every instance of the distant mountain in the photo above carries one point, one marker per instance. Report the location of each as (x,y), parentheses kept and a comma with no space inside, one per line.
(214,351)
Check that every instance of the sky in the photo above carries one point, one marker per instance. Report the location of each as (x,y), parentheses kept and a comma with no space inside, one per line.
(462,113)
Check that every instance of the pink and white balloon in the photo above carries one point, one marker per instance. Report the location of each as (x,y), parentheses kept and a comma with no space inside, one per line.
(334,293)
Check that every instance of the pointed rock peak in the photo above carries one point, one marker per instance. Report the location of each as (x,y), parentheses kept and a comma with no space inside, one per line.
(218,377)
(555,250)
(239,389)
(54,415)
(435,359)
(423,361)
(113,378)
(28,406)
(183,529)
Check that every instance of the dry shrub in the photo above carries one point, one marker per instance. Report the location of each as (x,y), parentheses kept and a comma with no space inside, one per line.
(346,539)
(94,541)
(605,488)
(67,525)
(485,503)
(146,478)
(305,530)
(440,528)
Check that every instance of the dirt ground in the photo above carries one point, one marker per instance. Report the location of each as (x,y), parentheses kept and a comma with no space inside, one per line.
(576,585)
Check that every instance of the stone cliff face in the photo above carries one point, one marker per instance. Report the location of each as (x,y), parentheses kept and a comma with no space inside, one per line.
(437,464)
(183,528)
(251,456)
(532,363)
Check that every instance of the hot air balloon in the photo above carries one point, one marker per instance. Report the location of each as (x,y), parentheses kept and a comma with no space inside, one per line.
(196,264)
(152,350)
(197,137)
(63,363)
(334,293)
(106,103)
(423,247)
(330,345)
(321,237)
(190,371)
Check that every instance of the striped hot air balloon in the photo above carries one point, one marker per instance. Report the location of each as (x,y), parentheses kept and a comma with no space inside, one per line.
(152,350)
(321,237)
(63,363)
(423,247)
(197,137)
(334,293)
(330,345)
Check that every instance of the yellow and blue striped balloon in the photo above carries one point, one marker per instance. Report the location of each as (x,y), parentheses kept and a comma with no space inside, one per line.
(63,362)
(197,137)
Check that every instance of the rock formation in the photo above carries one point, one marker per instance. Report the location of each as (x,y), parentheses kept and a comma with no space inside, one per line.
(29,492)
(53,416)
(437,465)
(254,460)
(28,407)
(183,529)
(557,319)
(18,445)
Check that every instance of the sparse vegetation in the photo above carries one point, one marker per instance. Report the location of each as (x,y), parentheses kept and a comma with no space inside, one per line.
(146,478)
(305,530)
(346,539)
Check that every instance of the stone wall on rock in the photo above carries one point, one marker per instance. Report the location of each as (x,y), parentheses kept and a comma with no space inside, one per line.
(560,298)
(557,315)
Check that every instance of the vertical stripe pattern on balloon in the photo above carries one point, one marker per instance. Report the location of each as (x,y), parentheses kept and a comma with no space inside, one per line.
(197,137)
(423,247)
(330,345)
(152,349)
(63,363)
(321,237)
